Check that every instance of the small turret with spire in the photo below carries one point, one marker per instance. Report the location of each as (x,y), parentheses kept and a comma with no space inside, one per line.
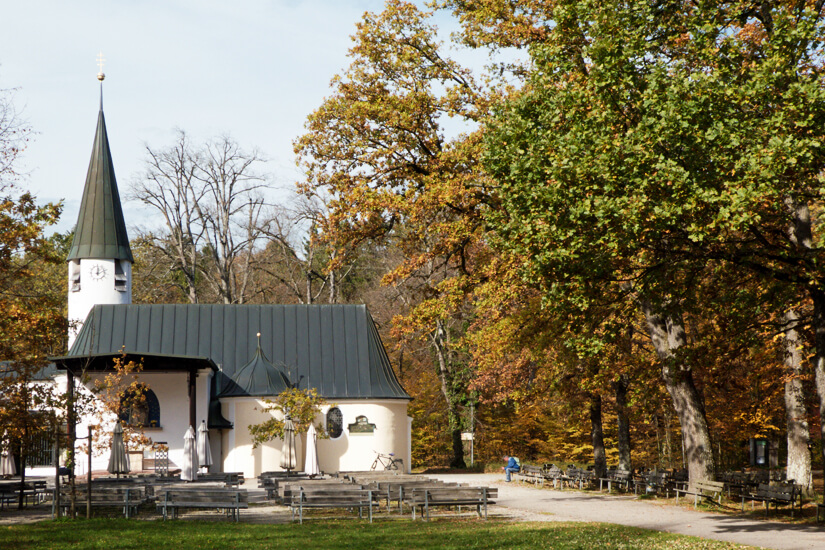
(100,260)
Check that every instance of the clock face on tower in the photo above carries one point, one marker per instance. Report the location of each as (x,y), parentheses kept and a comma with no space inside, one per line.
(97,272)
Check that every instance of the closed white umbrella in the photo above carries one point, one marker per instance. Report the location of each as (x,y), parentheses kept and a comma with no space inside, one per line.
(7,468)
(189,468)
(288,460)
(118,459)
(311,466)
(204,452)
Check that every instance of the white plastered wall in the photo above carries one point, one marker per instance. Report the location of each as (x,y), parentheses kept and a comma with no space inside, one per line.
(94,289)
(349,452)
(356,451)
(239,453)
(172,391)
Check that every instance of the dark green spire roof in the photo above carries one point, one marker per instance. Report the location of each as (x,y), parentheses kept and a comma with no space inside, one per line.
(101,231)
(257,378)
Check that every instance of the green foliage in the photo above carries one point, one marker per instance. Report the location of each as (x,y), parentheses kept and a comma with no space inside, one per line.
(303,406)
(655,152)
(637,151)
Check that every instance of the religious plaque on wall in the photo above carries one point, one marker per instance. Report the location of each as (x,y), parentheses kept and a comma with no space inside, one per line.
(361,426)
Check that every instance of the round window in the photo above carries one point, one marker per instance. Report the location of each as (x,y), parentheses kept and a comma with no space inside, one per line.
(335,422)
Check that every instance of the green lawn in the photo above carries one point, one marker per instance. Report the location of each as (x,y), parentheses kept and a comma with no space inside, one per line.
(115,534)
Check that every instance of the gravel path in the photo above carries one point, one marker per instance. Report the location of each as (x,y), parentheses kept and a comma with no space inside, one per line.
(552,505)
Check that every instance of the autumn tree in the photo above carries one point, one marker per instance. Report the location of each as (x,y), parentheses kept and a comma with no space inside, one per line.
(378,149)
(631,161)
(32,326)
(301,405)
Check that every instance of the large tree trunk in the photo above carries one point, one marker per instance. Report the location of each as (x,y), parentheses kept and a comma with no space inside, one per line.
(801,235)
(444,376)
(620,386)
(668,335)
(818,297)
(799,455)
(458,450)
(597,436)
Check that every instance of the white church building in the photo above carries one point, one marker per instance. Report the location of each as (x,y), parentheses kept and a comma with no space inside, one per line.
(206,364)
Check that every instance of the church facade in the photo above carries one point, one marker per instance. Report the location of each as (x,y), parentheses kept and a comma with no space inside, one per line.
(216,364)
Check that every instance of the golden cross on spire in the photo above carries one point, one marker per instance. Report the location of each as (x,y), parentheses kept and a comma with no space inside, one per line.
(100,60)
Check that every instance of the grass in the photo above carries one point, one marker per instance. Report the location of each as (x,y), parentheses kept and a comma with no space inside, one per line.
(110,534)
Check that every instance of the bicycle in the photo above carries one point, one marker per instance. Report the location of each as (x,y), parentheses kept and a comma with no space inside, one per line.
(389,462)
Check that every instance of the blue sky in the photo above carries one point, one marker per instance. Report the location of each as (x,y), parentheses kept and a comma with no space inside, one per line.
(253,69)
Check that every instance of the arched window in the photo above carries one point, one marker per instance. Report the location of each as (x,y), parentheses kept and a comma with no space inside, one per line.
(140,408)
(335,422)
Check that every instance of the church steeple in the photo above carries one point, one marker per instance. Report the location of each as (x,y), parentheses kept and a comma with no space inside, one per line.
(100,260)
(101,230)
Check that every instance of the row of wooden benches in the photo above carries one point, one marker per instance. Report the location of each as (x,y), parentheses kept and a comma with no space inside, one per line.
(572,476)
(298,495)
(779,493)
(168,500)
(419,498)
(368,490)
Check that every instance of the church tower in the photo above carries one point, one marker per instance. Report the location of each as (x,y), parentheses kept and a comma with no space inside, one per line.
(100,260)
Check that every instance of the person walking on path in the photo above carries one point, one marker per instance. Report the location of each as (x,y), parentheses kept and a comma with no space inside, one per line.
(512,466)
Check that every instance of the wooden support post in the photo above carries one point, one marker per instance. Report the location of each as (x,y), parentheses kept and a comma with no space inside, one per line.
(89,480)
(192,398)
(57,473)
(70,432)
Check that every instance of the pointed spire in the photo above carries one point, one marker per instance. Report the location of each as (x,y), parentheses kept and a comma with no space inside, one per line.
(258,378)
(101,229)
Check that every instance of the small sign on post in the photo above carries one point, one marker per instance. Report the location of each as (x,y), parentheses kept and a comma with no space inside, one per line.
(469,436)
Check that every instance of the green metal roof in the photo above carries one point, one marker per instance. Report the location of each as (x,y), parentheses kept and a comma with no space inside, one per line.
(100,231)
(333,348)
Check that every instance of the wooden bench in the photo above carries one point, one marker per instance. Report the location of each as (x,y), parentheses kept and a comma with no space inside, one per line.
(126,497)
(621,478)
(653,482)
(401,492)
(229,479)
(285,490)
(703,489)
(427,497)
(780,493)
(553,473)
(33,490)
(342,496)
(578,477)
(531,474)
(229,500)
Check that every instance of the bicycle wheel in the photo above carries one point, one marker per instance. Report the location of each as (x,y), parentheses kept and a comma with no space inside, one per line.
(393,465)
(374,464)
